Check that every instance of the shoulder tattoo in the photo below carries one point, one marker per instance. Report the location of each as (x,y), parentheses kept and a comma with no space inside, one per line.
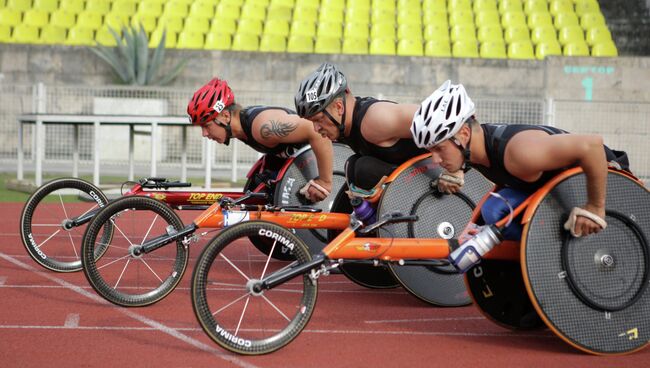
(277,128)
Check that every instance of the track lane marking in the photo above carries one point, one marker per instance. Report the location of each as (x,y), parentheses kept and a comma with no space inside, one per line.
(147,321)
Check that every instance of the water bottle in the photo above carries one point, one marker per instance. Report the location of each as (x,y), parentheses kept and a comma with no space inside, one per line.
(470,252)
(363,210)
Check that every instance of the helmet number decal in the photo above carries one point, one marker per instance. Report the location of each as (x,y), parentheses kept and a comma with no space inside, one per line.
(311,95)
(219,106)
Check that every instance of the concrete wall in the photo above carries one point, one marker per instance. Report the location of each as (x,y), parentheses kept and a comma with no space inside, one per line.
(598,79)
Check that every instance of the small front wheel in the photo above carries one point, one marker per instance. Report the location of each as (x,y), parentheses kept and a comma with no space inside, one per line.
(229,308)
(122,275)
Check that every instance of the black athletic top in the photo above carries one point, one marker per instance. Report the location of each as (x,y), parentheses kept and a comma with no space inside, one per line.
(282,150)
(497,137)
(400,152)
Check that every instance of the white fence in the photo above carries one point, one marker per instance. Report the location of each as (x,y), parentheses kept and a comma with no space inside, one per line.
(231,162)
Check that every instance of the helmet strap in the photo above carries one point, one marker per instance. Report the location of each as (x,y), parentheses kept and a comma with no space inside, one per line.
(341,125)
(227,128)
(465,151)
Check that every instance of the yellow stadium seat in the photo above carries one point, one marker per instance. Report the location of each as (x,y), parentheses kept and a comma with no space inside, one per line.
(560,6)
(277,27)
(278,12)
(300,44)
(493,50)
(262,3)
(510,19)
(381,15)
(539,19)
(20,5)
(332,4)
(435,16)
(461,17)
(78,36)
(565,19)
(102,7)
(589,20)
(90,20)
(250,26)
(203,8)
(586,6)
(463,32)
(237,3)
(543,34)
(35,17)
(409,16)
(516,34)
(571,34)
(178,8)
(576,49)
(156,37)
(436,32)
(46,5)
(382,30)
(77,6)
(521,50)
(357,4)
(331,15)
(409,4)
(127,7)
(245,42)
(52,35)
(190,40)
(252,11)
(116,20)
(465,49)
(604,49)
(273,43)
(409,31)
(286,3)
(356,30)
(194,24)
(535,6)
(5,33)
(225,26)
(598,34)
(382,46)
(437,48)
(11,17)
(459,5)
(228,11)
(410,47)
(62,18)
(218,41)
(492,32)
(25,33)
(487,17)
(545,49)
(303,28)
(327,45)
(434,4)
(355,45)
(506,6)
(482,5)
(383,4)
(329,29)
(150,7)
(104,37)
(173,24)
(305,13)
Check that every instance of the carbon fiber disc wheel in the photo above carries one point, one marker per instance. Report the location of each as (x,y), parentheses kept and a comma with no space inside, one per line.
(442,216)
(592,291)
(302,170)
(231,312)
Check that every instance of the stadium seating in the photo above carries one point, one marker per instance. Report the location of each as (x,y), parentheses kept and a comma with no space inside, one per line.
(434,28)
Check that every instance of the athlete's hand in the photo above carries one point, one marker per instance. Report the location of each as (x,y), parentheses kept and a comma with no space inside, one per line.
(316,190)
(587,226)
(468,232)
(451,182)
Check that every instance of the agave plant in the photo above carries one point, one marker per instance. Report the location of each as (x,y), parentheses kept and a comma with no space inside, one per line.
(131,61)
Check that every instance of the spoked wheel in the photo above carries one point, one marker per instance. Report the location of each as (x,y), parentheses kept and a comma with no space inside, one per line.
(228,307)
(46,226)
(121,276)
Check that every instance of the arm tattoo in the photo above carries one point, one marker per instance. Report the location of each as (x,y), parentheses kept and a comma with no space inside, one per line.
(277,128)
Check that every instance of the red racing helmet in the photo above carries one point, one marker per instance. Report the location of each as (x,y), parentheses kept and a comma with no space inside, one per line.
(209,101)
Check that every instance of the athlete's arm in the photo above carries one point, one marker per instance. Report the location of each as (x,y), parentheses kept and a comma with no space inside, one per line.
(532,152)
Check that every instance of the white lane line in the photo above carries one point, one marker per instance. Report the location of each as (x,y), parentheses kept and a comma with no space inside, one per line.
(147,321)
(425,320)
(71,321)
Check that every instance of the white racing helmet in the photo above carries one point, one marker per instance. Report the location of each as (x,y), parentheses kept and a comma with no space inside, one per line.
(441,115)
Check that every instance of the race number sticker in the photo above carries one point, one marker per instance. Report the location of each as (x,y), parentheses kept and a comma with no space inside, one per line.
(219,106)
(311,95)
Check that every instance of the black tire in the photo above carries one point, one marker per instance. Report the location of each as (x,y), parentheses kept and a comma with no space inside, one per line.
(121,277)
(230,313)
(41,223)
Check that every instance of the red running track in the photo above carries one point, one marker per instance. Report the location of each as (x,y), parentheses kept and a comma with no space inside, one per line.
(49,319)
